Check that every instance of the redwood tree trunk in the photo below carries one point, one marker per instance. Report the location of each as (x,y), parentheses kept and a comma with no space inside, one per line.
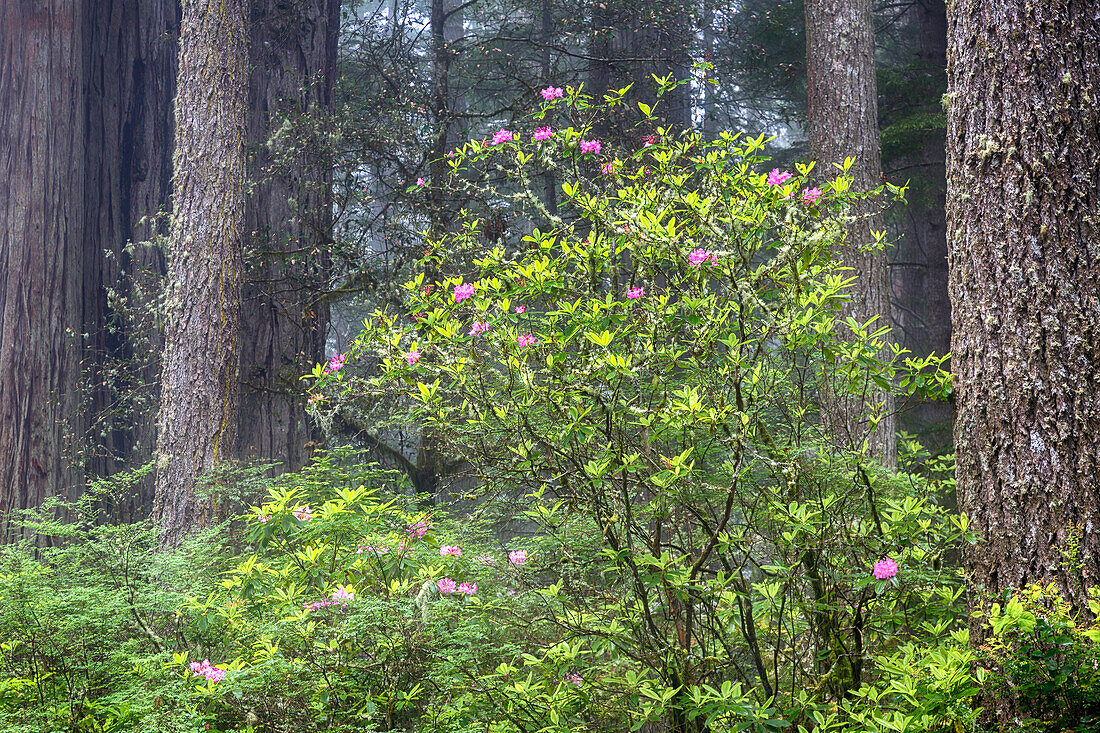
(843,120)
(199,386)
(42,118)
(131,72)
(1023,195)
(283,321)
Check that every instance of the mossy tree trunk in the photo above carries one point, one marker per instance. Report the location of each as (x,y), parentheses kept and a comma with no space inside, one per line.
(843,120)
(199,386)
(1023,171)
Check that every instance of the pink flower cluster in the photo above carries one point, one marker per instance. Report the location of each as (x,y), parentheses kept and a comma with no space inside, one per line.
(340,597)
(811,195)
(521,309)
(885,568)
(543,133)
(502,136)
(207,670)
(303,513)
(635,293)
(648,140)
(462,292)
(552,92)
(608,168)
(525,340)
(446,586)
(518,557)
(575,679)
(379,550)
(421,182)
(591,146)
(699,256)
(479,327)
(487,560)
(412,357)
(336,363)
(446,550)
(417,530)
(775,178)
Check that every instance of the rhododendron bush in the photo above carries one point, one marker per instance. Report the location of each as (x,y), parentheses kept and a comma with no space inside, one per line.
(648,358)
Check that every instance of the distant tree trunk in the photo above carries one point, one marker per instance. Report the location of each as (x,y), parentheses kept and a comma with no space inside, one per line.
(1023,166)
(630,42)
(283,319)
(42,214)
(446,26)
(132,72)
(199,393)
(921,307)
(843,120)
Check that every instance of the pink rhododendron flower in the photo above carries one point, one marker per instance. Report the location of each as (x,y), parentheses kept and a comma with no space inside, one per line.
(469,589)
(635,293)
(379,550)
(336,363)
(526,340)
(446,585)
(648,140)
(544,133)
(591,146)
(315,398)
(608,168)
(421,182)
(775,178)
(207,670)
(487,560)
(342,594)
(479,327)
(575,679)
(417,530)
(518,557)
(885,568)
(699,256)
(502,136)
(303,513)
(811,195)
(412,357)
(462,292)
(521,309)
(446,550)
(265,518)
(552,93)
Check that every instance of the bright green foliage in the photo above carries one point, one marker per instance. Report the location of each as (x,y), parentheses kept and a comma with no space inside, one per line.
(1048,658)
(646,380)
(681,422)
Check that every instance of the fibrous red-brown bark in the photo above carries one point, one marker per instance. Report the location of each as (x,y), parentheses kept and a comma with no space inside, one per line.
(1023,200)
(199,386)
(42,218)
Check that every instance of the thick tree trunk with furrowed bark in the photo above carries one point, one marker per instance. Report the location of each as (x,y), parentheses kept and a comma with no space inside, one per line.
(289,225)
(199,386)
(1023,205)
(85,139)
(843,119)
(42,220)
